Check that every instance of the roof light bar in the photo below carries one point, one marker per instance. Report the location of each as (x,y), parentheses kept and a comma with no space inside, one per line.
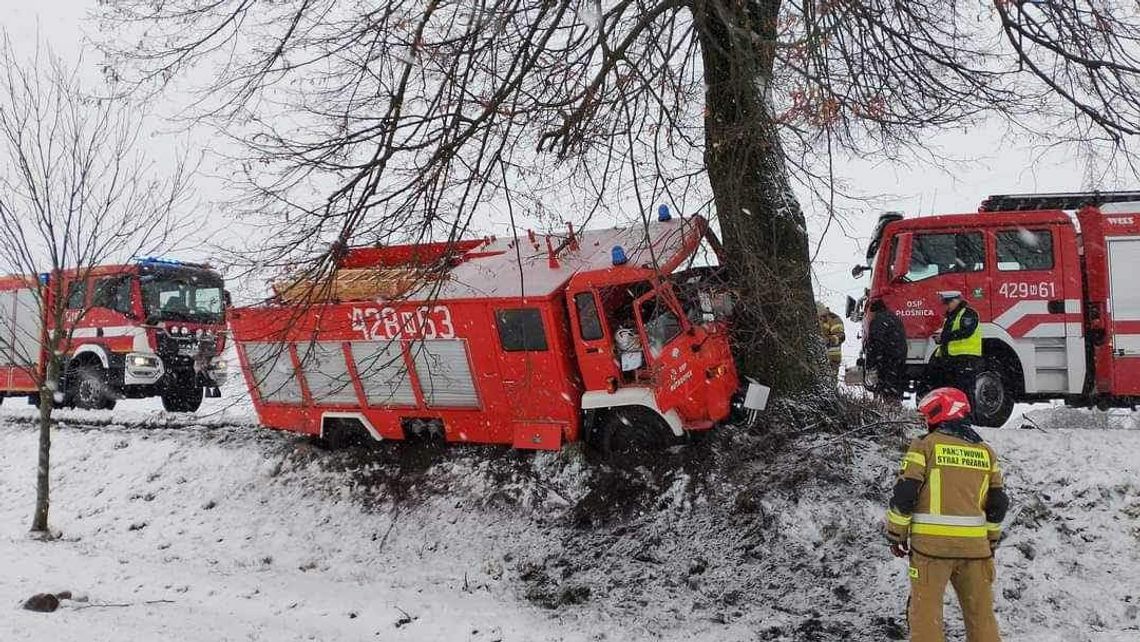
(154,260)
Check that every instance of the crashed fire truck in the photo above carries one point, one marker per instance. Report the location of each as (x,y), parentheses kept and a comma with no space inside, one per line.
(1051,278)
(151,328)
(608,335)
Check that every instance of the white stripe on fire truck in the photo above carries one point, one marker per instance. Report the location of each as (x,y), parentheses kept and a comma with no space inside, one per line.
(139,344)
(1026,308)
(1045,330)
(109,331)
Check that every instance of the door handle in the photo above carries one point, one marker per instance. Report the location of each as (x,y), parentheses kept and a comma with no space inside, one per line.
(593,350)
(1056,306)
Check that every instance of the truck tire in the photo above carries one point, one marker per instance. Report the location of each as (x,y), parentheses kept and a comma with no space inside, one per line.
(186,398)
(88,389)
(633,430)
(993,396)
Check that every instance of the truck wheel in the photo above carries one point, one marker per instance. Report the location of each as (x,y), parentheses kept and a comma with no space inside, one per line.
(183,399)
(993,396)
(625,431)
(88,389)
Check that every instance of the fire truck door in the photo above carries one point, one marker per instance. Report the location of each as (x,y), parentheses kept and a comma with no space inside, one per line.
(939,261)
(592,345)
(663,327)
(1124,305)
(527,365)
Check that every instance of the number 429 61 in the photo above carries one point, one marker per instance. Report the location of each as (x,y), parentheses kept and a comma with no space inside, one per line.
(1022,290)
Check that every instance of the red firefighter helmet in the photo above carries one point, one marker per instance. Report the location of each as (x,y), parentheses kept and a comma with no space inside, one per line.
(944,404)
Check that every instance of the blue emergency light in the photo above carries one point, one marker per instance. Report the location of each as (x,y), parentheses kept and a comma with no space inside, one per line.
(154,260)
(618,255)
(663,214)
(44,278)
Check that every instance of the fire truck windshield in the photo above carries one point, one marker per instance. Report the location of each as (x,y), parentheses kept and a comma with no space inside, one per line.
(704,294)
(661,324)
(183,297)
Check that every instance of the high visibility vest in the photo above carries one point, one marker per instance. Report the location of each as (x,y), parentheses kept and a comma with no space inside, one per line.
(971,345)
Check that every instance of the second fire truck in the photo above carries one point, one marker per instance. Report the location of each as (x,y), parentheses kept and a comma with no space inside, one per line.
(1053,279)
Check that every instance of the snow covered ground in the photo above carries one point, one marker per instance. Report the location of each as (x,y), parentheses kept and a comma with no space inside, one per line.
(213,531)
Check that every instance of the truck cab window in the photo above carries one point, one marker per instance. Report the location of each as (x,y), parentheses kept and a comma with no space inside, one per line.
(77,295)
(521,330)
(589,323)
(113,293)
(661,324)
(1023,250)
(937,254)
(183,296)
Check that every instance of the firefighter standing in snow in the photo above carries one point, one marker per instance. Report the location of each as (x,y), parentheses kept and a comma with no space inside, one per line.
(959,353)
(946,513)
(831,329)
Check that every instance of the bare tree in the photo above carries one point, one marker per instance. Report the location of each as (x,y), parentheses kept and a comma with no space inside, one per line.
(372,121)
(75,192)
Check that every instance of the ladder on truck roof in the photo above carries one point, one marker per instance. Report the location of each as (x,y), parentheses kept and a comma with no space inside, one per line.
(1054,201)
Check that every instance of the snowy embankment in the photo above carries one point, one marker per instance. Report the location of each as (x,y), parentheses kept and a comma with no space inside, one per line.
(208,531)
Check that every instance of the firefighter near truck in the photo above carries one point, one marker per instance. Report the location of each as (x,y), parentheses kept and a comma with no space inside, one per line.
(1051,278)
(152,328)
(533,341)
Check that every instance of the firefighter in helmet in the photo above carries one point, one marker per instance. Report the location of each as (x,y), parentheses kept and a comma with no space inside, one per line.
(831,329)
(946,513)
(959,354)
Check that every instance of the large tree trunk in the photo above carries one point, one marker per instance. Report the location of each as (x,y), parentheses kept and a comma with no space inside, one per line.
(43,478)
(765,237)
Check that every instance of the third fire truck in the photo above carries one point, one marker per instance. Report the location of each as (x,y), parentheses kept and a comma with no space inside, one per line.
(612,335)
(1053,278)
(151,328)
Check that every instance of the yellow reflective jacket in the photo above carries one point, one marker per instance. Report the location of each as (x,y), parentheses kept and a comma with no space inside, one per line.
(832,330)
(956,478)
(961,333)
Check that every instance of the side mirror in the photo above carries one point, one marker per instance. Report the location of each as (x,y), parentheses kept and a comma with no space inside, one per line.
(858,270)
(227,300)
(901,265)
(852,304)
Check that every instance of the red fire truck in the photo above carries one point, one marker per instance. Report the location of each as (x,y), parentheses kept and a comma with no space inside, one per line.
(1049,275)
(152,328)
(535,341)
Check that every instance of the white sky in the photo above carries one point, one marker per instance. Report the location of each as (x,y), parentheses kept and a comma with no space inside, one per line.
(994,165)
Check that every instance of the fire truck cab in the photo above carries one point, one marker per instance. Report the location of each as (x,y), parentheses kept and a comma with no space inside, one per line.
(533,341)
(1050,277)
(151,328)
